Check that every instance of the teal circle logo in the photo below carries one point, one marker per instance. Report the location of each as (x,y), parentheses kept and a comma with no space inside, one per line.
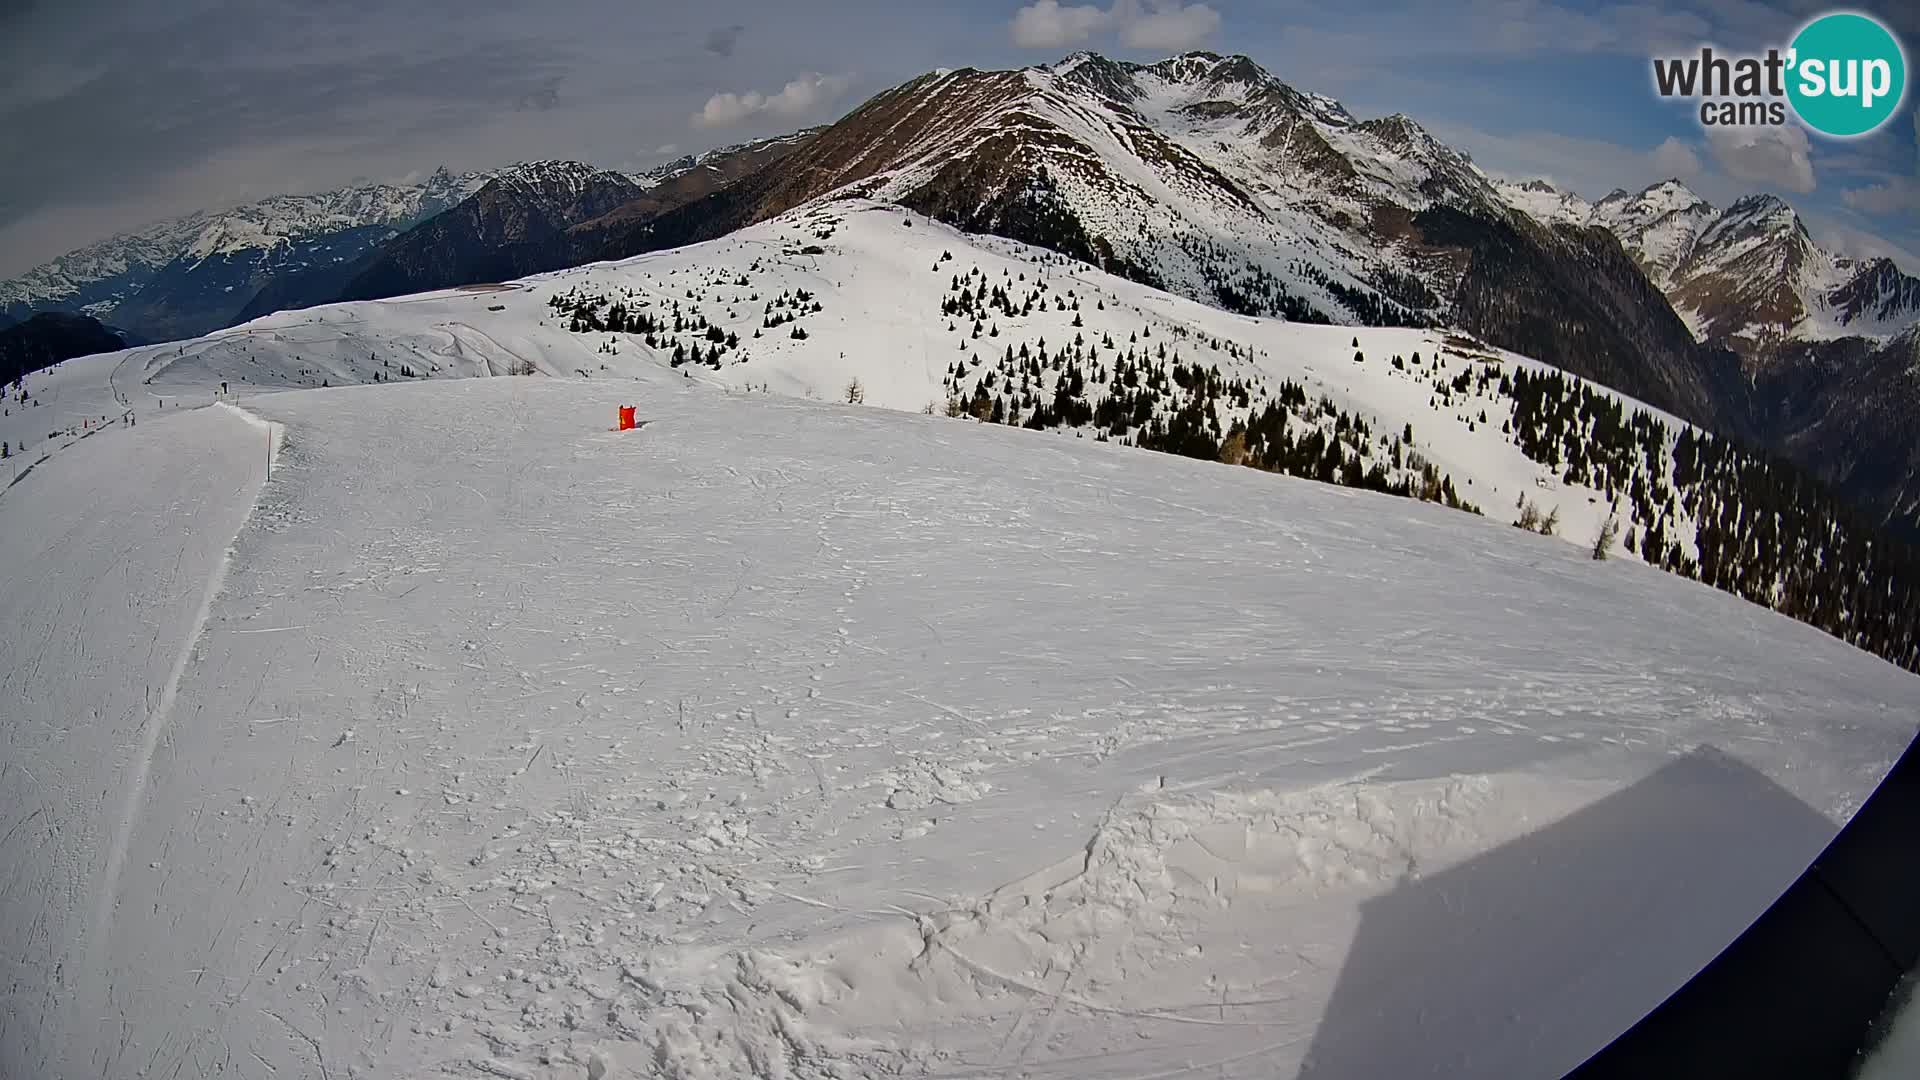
(1847,74)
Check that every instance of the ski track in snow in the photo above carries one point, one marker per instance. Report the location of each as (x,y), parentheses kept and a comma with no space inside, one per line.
(89,641)
(93,996)
(798,740)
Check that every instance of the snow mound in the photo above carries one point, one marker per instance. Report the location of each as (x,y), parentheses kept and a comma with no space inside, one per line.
(1137,937)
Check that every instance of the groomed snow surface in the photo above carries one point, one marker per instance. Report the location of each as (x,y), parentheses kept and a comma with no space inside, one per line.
(794,739)
(797,739)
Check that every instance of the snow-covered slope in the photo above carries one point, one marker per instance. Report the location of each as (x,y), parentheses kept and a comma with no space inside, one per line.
(784,738)
(851,299)
(884,281)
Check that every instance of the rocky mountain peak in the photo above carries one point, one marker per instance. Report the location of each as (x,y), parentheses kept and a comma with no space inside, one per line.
(1211,71)
(1664,197)
(553,177)
(1756,221)
(1089,71)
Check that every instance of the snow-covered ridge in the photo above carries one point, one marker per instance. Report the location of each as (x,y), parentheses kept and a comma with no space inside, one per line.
(660,174)
(1659,226)
(1204,173)
(271,222)
(1231,111)
(1545,203)
(555,178)
(848,299)
(145,249)
(282,219)
(882,287)
(1752,221)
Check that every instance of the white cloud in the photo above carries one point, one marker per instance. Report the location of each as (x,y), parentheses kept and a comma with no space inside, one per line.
(1174,27)
(724,110)
(1653,28)
(1170,25)
(1859,243)
(1046,24)
(1895,194)
(1769,156)
(1530,25)
(798,98)
(1899,195)
(1591,167)
(1677,159)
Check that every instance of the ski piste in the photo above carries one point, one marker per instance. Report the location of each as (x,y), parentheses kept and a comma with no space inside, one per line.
(842,738)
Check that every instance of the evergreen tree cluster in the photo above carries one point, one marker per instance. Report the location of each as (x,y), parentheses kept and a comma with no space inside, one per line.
(1243,286)
(981,302)
(1697,505)
(1760,528)
(678,326)
(1587,437)
(1407,290)
(1337,447)
(788,307)
(1146,394)
(1370,308)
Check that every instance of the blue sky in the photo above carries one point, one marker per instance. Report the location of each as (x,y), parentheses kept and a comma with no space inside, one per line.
(114,113)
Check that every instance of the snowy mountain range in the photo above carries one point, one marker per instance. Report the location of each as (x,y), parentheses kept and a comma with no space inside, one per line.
(540,217)
(96,278)
(196,273)
(883,706)
(1748,275)
(1828,344)
(1200,173)
(483,237)
(535,217)
(1208,177)
(210,269)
